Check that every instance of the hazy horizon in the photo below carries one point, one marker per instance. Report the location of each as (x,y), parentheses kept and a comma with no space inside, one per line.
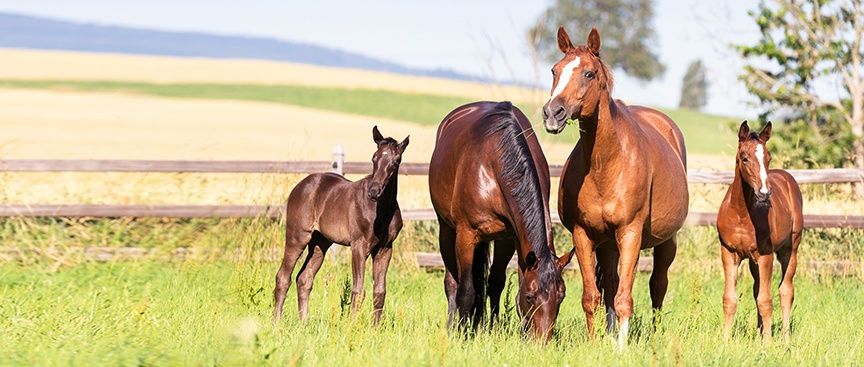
(473,38)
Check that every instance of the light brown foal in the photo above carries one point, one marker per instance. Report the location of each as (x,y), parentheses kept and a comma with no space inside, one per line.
(761,215)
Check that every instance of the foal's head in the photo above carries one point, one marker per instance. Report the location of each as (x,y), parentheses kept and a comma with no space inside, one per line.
(385,162)
(753,159)
(540,293)
(578,82)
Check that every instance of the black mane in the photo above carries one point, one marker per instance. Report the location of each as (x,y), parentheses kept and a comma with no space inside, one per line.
(520,180)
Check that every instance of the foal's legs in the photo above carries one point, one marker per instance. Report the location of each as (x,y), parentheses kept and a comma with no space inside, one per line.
(294,245)
(586,257)
(380,262)
(607,280)
(761,271)
(317,247)
(504,249)
(731,261)
(359,254)
(788,258)
(447,247)
(664,254)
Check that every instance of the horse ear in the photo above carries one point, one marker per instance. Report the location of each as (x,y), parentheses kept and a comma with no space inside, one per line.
(765,134)
(565,259)
(404,144)
(530,260)
(743,131)
(376,135)
(564,43)
(594,42)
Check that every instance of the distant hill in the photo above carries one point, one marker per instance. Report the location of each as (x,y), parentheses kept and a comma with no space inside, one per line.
(22,31)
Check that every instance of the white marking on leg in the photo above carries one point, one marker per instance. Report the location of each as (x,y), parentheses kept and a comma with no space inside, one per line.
(622,334)
(763,173)
(564,79)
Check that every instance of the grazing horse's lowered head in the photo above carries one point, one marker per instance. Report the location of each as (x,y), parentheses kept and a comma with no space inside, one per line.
(752,161)
(385,162)
(541,292)
(578,81)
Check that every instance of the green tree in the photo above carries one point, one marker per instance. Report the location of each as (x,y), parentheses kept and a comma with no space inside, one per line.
(629,40)
(694,87)
(804,44)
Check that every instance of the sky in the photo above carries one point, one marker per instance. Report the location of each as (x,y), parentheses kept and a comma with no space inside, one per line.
(485,38)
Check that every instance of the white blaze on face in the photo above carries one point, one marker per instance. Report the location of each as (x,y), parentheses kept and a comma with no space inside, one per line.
(763,173)
(564,78)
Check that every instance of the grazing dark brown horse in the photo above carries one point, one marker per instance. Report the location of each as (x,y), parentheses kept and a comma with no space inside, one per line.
(623,188)
(325,208)
(761,215)
(489,181)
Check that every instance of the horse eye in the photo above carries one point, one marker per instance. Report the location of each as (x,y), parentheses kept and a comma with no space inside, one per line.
(589,74)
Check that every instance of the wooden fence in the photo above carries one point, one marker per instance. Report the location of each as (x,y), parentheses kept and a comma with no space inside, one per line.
(338,165)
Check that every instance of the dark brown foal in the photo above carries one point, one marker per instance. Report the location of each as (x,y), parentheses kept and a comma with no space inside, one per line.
(760,216)
(326,208)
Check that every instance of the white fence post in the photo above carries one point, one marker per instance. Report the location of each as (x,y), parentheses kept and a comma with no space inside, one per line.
(338,162)
(337,166)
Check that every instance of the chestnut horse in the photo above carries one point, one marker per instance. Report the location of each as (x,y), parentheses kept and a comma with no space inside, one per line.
(623,188)
(761,215)
(325,208)
(489,181)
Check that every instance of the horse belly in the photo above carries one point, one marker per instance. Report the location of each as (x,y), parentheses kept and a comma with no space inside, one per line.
(669,207)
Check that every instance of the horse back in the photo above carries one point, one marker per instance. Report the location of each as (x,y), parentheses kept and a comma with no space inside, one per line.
(653,121)
(463,171)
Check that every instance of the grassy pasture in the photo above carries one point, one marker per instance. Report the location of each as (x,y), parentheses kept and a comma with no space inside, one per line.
(700,130)
(62,311)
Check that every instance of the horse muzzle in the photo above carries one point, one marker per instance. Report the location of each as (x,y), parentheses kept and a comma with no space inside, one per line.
(763,200)
(554,117)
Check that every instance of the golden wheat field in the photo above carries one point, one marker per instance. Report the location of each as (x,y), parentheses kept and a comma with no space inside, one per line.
(69,124)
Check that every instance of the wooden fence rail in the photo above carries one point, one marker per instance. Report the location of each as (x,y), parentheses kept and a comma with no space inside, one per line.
(834,175)
(274,211)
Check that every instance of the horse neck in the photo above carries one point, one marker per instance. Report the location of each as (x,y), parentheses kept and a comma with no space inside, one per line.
(390,191)
(524,232)
(600,140)
(743,197)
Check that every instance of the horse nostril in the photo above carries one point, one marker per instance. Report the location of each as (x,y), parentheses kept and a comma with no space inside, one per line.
(559,114)
(545,113)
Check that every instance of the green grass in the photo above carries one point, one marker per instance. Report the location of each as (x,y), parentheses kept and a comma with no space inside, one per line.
(701,130)
(60,310)
(153,313)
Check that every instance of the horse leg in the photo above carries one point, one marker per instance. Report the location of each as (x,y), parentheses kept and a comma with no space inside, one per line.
(466,244)
(504,250)
(607,280)
(761,271)
(664,254)
(380,262)
(294,245)
(788,258)
(359,254)
(479,276)
(586,257)
(317,248)
(629,239)
(731,261)
(447,247)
